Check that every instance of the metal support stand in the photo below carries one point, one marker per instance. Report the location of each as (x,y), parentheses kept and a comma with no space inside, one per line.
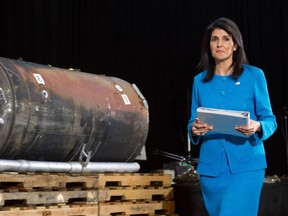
(285,109)
(188,159)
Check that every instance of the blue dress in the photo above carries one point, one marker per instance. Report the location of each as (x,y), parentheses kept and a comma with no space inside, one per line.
(232,168)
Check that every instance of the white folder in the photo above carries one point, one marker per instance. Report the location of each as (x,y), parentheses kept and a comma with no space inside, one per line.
(224,121)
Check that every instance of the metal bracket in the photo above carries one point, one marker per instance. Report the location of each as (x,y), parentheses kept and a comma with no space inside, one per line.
(145,103)
(86,155)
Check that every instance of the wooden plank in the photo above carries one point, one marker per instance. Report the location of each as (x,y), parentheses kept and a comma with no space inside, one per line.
(108,194)
(48,197)
(130,208)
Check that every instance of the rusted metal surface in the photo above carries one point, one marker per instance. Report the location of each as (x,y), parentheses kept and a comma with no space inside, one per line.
(49,113)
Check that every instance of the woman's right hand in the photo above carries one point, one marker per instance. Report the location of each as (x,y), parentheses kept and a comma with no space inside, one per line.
(200,128)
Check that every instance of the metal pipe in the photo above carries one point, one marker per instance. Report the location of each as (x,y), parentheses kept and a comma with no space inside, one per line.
(67,167)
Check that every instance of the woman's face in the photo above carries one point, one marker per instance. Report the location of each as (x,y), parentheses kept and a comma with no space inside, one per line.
(221,46)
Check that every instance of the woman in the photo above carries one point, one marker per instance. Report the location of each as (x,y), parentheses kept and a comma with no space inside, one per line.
(231,168)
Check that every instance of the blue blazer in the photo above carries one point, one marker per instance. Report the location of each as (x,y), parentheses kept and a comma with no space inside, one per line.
(248,93)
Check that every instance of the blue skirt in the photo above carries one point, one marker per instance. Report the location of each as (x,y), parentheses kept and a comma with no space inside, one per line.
(232,194)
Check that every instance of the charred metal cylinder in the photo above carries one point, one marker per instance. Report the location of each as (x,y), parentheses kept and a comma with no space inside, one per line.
(50,114)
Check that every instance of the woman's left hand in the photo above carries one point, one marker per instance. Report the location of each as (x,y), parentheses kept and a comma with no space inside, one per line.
(253,127)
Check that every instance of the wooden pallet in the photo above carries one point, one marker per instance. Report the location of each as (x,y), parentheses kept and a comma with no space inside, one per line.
(63,180)
(30,181)
(134,208)
(143,215)
(127,193)
(88,210)
(134,179)
(101,195)
(47,197)
(49,194)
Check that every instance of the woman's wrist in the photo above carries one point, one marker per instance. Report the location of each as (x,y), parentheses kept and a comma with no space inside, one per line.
(259,129)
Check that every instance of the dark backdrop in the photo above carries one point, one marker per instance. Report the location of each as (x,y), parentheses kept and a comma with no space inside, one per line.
(156,45)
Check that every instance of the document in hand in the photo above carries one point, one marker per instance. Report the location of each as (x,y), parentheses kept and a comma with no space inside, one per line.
(224,121)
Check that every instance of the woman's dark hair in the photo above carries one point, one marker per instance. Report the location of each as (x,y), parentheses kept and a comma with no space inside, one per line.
(207,62)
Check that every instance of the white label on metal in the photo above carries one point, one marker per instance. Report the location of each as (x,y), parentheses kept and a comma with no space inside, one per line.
(126,99)
(39,79)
